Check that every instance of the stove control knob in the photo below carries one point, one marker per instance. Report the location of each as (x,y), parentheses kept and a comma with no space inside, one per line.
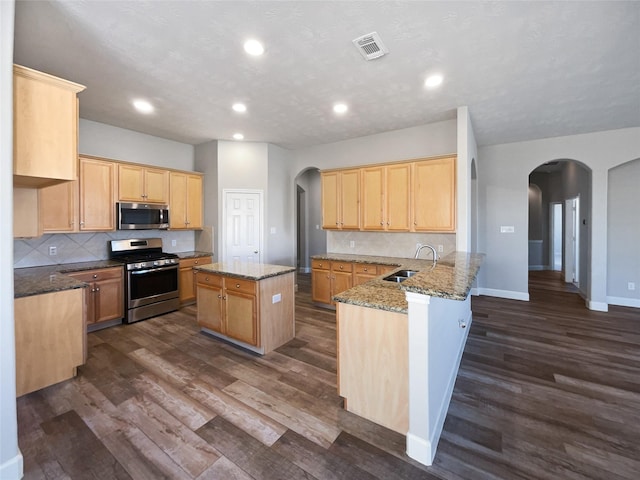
(137,266)
(155,264)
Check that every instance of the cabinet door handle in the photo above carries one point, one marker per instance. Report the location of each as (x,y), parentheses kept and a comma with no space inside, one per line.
(237,285)
(219,296)
(95,275)
(341,267)
(82,223)
(381,223)
(97,289)
(206,279)
(196,262)
(224,297)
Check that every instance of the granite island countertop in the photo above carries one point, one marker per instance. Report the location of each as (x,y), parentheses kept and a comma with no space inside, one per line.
(51,278)
(251,271)
(450,278)
(193,254)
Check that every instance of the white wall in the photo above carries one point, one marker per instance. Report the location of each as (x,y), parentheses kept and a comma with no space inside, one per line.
(623,265)
(102,140)
(503,173)
(279,209)
(10,457)
(467,151)
(417,142)
(241,165)
(206,161)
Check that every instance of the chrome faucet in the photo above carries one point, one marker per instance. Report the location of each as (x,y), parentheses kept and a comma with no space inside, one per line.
(433,251)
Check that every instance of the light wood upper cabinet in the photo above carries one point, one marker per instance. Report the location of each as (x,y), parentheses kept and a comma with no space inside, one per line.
(59,208)
(398,197)
(97,195)
(434,195)
(45,128)
(341,199)
(141,184)
(185,201)
(412,196)
(386,198)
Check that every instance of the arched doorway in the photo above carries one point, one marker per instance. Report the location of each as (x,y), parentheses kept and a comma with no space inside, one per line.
(560,224)
(310,238)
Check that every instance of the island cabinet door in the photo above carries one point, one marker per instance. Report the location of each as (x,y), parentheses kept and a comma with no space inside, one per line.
(210,302)
(241,316)
(241,312)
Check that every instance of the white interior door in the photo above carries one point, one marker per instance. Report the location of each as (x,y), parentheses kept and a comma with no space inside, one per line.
(243,226)
(571,246)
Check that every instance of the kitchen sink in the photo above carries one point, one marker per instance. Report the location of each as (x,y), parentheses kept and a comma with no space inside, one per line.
(400,276)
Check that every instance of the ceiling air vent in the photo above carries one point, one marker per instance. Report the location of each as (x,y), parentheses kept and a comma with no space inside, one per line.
(370,46)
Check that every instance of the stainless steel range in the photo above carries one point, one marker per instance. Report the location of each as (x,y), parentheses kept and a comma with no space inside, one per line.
(151,281)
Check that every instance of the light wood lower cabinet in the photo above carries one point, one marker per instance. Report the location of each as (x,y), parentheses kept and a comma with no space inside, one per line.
(258,315)
(373,364)
(186,278)
(50,338)
(105,295)
(328,278)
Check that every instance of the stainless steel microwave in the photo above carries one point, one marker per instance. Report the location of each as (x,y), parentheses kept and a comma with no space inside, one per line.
(142,216)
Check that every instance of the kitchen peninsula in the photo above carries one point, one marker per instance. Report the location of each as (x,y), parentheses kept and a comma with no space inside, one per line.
(250,305)
(400,344)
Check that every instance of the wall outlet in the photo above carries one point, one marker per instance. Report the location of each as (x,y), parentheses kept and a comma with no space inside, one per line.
(418,245)
(631,286)
(352,244)
(174,243)
(276,298)
(53,250)
(440,248)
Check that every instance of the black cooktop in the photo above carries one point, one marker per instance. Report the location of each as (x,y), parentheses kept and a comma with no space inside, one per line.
(139,257)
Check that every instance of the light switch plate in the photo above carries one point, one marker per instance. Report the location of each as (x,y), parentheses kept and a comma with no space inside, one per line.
(276,298)
(507,229)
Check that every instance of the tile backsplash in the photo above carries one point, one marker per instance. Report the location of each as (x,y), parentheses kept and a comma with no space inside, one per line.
(86,247)
(388,244)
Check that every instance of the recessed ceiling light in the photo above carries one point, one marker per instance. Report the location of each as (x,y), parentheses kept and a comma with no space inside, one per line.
(238,136)
(143,106)
(253,47)
(239,107)
(433,80)
(340,108)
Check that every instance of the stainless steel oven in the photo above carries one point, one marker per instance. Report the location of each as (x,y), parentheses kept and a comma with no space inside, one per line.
(151,282)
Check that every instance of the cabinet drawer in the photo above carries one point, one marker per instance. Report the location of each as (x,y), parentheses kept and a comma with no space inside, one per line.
(341,266)
(97,275)
(193,262)
(239,285)
(366,268)
(320,264)
(209,279)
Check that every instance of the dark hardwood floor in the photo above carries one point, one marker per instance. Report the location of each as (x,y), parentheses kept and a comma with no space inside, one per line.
(547,390)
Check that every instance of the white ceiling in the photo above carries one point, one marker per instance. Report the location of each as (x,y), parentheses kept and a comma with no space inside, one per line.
(526,69)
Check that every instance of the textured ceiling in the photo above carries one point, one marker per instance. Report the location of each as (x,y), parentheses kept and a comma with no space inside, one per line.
(526,69)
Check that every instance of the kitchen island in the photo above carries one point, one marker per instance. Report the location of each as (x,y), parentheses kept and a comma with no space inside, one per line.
(400,346)
(250,305)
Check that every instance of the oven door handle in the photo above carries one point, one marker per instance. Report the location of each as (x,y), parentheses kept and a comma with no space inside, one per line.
(160,269)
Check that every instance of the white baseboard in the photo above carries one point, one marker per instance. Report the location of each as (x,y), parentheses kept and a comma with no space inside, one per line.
(597,306)
(420,449)
(510,294)
(474,292)
(624,302)
(12,469)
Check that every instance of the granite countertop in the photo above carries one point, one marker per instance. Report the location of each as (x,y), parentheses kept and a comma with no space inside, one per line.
(450,278)
(251,271)
(194,254)
(51,278)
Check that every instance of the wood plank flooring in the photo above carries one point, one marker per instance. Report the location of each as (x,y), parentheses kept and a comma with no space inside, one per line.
(547,390)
